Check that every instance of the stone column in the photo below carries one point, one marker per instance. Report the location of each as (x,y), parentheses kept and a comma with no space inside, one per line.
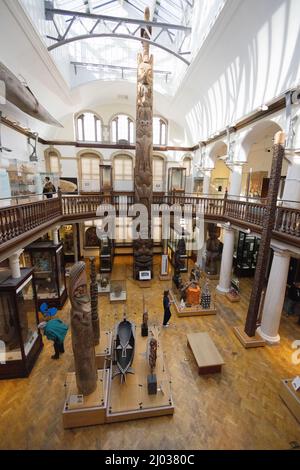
(274,298)
(206,181)
(14,264)
(227,258)
(55,235)
(235,180)
(75,243)
(292,183)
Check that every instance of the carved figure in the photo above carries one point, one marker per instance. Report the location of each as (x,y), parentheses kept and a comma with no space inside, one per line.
(213,249)
(142,256)
(94,301)
(152,353)
(82,331)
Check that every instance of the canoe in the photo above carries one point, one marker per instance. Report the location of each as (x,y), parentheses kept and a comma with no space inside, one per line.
(21,96)
(124,346)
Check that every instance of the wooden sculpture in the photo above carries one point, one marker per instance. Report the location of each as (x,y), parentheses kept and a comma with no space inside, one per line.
(94,301)
(82,331)
(152,357)
(144,329)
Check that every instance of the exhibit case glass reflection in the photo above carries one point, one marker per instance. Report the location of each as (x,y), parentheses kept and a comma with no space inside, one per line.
(47,259)
(176,180)
(106,183)
(20,339)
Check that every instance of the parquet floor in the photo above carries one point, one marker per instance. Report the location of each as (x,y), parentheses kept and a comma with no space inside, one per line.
(237,409)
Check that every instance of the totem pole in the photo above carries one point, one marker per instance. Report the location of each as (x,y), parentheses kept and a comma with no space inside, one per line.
(94,301)
(143,178)
(82,331)
(152,357)
(265,241)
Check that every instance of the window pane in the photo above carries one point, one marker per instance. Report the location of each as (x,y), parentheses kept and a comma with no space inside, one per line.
(89,127)
(114,131)
(80,128)
(54,164)
(163,134)
(156,131)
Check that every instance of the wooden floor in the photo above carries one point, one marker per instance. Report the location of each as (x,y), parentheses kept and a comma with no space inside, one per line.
(237,409)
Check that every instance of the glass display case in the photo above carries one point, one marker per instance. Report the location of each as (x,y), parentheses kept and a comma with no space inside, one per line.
(246,255)
(176,180)
(106,254)
(20,339)
(67,239)
(49,272)
(106,182)
(24,178)
(117,291)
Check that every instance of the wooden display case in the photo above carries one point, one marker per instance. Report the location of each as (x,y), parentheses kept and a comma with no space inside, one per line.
(49,273)
(20,339)
(106,255)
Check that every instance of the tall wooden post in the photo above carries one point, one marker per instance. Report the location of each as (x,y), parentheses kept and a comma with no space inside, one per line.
(143,177)
(268,225)
(94,301)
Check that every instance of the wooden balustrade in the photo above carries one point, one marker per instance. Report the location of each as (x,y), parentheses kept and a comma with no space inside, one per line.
(17,220)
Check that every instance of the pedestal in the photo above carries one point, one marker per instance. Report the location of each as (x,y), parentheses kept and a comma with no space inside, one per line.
(152,384)
(248,341)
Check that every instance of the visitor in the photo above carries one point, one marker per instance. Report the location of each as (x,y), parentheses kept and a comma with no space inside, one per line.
(49,188)
(55,330)
(167,312)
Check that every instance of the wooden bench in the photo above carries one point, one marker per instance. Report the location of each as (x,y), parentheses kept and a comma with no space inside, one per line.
(208,358)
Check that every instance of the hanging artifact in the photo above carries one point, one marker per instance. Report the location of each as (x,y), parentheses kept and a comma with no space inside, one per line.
(143,178)
(124,348)
(94,301)
(21,96)
(82,331)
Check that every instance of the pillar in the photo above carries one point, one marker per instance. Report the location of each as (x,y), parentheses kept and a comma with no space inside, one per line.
(75,243)
(292,182)
(14,264)
(206,181)
(235,180)
(55,235)
(227,258)
(274,298)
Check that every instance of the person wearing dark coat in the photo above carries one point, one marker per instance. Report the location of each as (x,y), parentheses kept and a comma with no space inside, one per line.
(55,330)
(166,304)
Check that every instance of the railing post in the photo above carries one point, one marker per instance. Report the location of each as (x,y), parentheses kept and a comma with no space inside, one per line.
(59,195)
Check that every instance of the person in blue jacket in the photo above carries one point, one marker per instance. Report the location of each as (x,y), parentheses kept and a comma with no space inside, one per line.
(55,330)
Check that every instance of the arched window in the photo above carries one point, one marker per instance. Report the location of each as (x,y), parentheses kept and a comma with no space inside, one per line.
(123,168)
(187,164)
(52,160)
(159,131)
(158,165)
(122,129)
(89,170)
(88,127)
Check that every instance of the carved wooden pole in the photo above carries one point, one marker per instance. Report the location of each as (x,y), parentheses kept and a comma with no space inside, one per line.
(82,331)
(265,241)
(143,178)
(94,301)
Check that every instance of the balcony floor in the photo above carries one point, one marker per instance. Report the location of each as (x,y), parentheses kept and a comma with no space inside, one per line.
(237,409)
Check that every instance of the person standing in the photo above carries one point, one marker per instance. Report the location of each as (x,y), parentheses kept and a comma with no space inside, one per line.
(49,188)
(55,330)
(167,312)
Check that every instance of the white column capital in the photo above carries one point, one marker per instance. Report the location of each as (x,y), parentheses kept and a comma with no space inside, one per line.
(228,227)
(281,253)
(14,264)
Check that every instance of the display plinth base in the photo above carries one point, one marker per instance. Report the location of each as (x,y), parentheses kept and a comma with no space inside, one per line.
(212,277)
(195,310)
(248,341)
(103,349)
(91,409)
(103,290)
(290,397)
(144,284)
(130,400)
(165,277)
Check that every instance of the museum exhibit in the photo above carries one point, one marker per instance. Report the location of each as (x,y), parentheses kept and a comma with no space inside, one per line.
(149,225)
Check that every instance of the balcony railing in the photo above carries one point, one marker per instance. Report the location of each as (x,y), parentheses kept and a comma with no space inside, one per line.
(18,221)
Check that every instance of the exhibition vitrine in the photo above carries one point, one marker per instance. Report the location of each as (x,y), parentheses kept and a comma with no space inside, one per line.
(49,272)
(20,340)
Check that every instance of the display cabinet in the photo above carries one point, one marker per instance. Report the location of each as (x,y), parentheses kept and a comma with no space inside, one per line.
(66,233)
(23,178)
(20,339)
(106,254)
(176,180)
(106,181)
(49,272)
(246,255)
(173,242)
(117,291)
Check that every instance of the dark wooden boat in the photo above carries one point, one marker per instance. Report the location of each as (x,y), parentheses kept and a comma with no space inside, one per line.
(124,347)
(21,96)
